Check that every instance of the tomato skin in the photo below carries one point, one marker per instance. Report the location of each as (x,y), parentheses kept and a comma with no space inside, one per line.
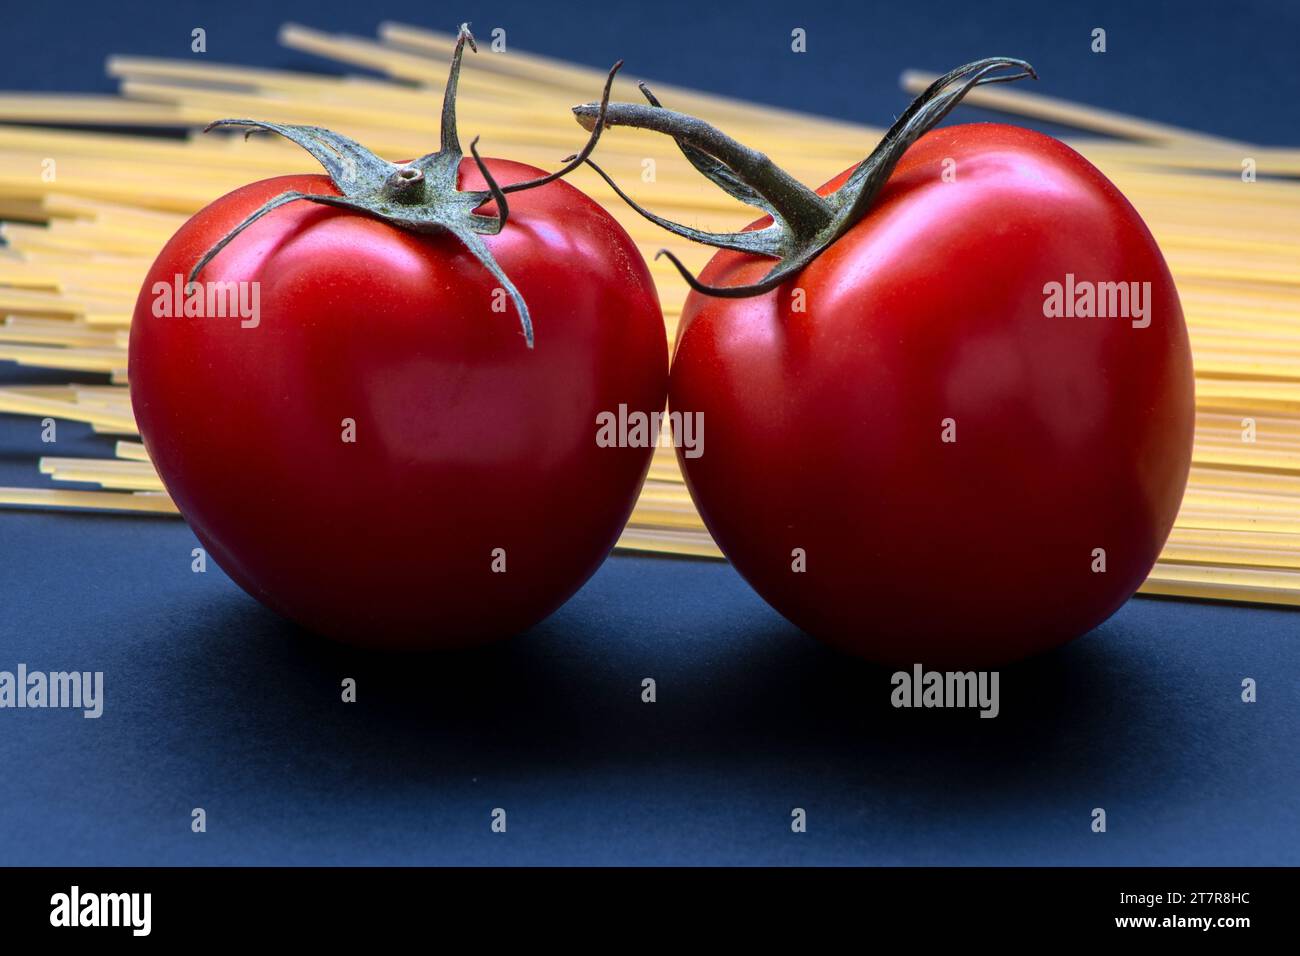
(824,426)
(466,440)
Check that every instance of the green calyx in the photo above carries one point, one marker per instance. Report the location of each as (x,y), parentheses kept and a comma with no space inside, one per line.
(804,224)
(421,196)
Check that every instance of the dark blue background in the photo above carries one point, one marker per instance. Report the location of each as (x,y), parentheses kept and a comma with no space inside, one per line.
(1226,68)
(214,702)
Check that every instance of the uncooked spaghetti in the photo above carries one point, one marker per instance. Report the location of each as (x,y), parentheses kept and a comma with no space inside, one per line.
(87,212)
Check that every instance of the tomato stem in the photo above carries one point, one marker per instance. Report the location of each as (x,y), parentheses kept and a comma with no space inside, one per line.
(804,224)
(405,185)
(799,206)
(422,196)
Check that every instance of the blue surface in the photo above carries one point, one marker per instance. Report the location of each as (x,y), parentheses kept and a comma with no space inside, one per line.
(212,701)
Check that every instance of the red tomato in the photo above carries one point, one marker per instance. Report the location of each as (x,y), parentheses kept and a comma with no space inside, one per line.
(825,427)
(466,441)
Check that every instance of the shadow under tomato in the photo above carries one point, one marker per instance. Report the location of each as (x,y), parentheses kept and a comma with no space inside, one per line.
(1073,724)
(742,700)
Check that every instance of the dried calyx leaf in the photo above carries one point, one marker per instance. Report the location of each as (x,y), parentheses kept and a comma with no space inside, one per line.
(804,224)
(421,196)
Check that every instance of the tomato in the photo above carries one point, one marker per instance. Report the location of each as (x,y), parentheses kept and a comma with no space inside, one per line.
(474,498)
(346,412)
(466,442)
(968,480)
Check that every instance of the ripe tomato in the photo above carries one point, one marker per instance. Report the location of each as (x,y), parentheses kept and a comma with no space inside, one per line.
(472,453)
(828,401)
